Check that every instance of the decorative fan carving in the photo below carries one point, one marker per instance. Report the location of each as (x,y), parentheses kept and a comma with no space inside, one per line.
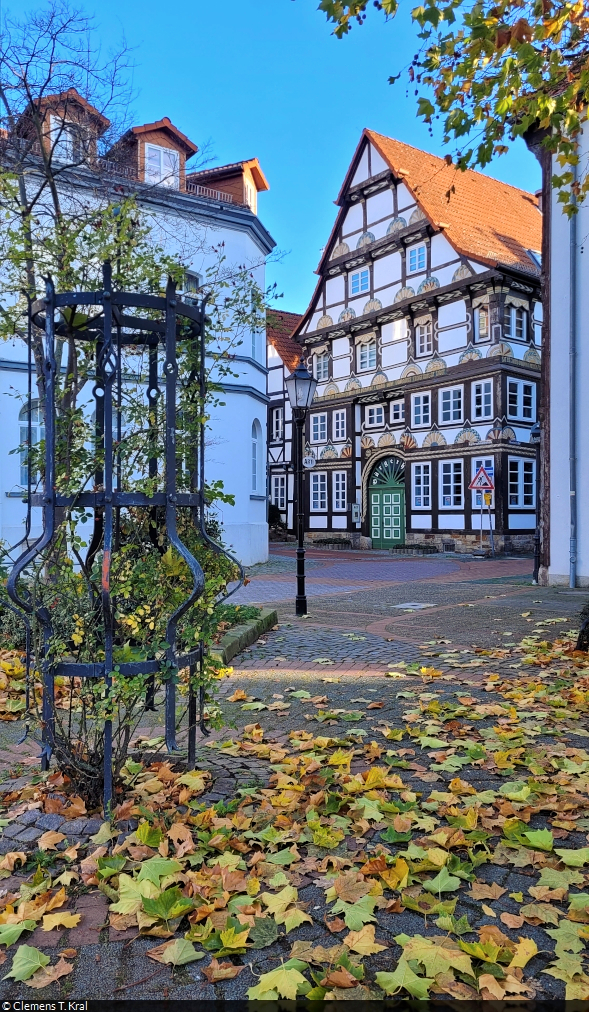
(462,272)
(365,239)
(390,471)
(324,321)
(404,293)
(428,285)
(347,314)
(340,250)
(396,225)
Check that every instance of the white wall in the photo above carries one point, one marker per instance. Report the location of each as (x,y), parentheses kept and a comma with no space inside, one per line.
(558,571)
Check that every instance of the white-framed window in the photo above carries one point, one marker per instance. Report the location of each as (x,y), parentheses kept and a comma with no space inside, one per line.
(37,436)
(451,483)
(521,400)
(421,409)
(481,323)
(424,342)
(318,491)
(482,399)
(367,355)
(489,465)
(339,425)
(162,166)
(279,491)
(319,428)
(398,410)
(416,258)
(375,415)
(277,423)
(360,282)
(422,474)
(450,405)
(321,363)
(522,483)
(515,323)
(64,140)
(257,474)
(338,488)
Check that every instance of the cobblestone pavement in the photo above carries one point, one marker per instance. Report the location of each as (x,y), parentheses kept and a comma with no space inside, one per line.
(343,650)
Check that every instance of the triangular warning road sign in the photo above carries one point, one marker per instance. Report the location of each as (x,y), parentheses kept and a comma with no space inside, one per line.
(482,481)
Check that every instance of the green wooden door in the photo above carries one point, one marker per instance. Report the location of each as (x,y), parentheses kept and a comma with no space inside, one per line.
(387,504)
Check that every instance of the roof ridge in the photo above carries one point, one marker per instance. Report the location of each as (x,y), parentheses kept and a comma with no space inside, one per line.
(445,164)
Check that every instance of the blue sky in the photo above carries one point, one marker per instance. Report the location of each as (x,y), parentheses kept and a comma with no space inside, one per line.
(267,78)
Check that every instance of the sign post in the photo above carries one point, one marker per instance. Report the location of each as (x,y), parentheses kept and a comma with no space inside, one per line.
(483,484)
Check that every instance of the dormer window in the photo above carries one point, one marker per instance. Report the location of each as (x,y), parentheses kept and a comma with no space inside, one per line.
(162,166)
(65,140)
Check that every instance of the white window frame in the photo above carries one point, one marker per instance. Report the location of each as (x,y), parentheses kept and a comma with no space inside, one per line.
(321,366)
(482,389)
(525,467)
(479,337)
(338,426)
(424,339)
(425,401)
(279,491)
(362,284)
(513,321)
(257,477)
(63,139)
(277,424)
(376,422)
(339,488)
(451,395)
(422,486)
(37,435)
(455,469)
(366,356)
(318,492)
(476,495)
(413,256)
(400,403)
(318,425)
(523,412)
(167,175)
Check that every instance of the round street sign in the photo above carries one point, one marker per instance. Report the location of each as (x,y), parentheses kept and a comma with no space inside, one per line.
(309,461)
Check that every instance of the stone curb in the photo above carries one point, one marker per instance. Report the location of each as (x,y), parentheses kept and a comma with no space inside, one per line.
(242,636)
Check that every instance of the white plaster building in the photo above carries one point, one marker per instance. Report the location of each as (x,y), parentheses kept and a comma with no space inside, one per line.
(205,210)
(564,407)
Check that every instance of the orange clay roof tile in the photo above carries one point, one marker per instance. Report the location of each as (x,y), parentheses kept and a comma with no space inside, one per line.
(483,218)
(279,327)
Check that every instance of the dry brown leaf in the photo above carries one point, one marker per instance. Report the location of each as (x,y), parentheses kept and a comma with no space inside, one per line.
(237,696)
(350,887)
(123,811)
(9,860)
(122,922)
(221,971)
(3,957)
(72,852)
(49,974)
(484,891)
(339,978)
(53,806)
(49,840)
(512,920)
(337,924)
(76,808)
(69,953)
(490,987)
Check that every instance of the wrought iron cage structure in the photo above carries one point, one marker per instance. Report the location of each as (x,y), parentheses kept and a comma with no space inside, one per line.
(112,323)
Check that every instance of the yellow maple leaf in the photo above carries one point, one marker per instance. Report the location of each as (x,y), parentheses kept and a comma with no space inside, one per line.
(524,950)
(61,920)
(363,941)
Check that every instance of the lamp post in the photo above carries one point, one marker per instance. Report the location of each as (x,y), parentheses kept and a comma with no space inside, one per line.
(300,387)
(535,435)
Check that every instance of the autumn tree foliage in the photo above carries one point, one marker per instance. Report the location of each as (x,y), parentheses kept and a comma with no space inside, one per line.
(494,70)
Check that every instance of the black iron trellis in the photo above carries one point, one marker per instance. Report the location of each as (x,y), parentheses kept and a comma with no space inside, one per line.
(112,328)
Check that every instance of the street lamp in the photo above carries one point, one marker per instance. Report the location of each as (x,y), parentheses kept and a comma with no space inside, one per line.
(300,387)
(535,435)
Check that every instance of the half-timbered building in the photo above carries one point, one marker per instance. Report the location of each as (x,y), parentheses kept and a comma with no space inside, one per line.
(424,335)
(283,356)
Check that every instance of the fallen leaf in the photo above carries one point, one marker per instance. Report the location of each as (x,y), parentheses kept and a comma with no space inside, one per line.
(49,974)
(50,840)
(363,941)
(178,953)
(61,920)
(512,920)
(221,971)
